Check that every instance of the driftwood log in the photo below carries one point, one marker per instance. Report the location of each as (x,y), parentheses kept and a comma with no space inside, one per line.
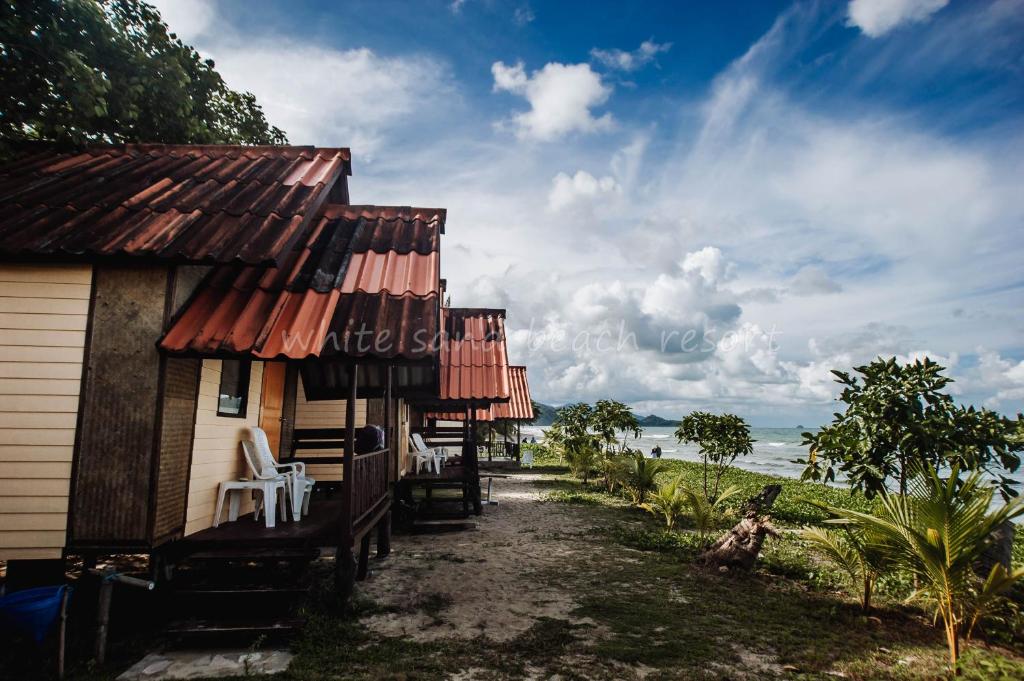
(740,547)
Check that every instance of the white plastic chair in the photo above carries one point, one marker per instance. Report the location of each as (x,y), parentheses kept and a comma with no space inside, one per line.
(425,455)
(300,485)
(270,486)
(527,459)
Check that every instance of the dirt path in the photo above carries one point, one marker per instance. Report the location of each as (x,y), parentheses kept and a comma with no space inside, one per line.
(466,584)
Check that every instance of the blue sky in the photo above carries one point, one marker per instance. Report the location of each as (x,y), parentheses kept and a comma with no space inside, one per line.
(682,205)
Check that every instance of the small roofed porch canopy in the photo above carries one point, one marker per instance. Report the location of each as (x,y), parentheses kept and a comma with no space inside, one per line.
(519,408)
(473,376)
(358,298)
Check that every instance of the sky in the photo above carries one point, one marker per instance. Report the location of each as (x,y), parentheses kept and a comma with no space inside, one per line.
(682,205)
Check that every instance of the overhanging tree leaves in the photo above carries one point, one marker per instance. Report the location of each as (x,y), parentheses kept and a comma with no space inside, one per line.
(79,71)
(899,422)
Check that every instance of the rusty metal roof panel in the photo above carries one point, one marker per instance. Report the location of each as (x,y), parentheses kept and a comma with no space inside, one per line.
(325,298)
(205,203)
(520,404)
(518,408)
(474,356)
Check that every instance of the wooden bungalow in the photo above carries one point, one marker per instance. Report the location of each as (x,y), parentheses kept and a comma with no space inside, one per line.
(473,376)
(518,409)
(157,302)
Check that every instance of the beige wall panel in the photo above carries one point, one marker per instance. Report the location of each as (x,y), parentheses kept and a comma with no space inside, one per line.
(43,319)
(216,450)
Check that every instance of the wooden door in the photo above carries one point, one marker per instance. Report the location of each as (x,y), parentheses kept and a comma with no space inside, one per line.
(273,403)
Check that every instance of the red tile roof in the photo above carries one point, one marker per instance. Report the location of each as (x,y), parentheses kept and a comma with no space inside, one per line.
(333,295)
(519,406)
(474,357)
(214,204)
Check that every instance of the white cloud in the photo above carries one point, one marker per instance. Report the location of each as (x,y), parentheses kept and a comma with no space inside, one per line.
(523,15)
(569,190)
(561,97)
(456,6)
(1001,379)
(332,97)
(812,280)
(317,94)
(624,60)
(877,17)
(188,19)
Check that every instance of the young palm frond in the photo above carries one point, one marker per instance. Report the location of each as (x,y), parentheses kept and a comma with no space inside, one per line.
(615,469)
(641,475)
(706,512)
(937,533)
(668,501)
(863,560)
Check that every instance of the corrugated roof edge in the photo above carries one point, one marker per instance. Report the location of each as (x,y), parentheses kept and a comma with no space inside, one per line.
(369,210)
(36,146)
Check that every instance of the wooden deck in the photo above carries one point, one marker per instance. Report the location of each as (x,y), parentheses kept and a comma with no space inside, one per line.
(322,527)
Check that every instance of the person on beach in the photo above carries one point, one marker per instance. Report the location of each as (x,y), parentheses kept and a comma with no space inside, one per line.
(656,452)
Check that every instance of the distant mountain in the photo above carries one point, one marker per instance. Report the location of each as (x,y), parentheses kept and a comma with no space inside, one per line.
(545,414)
(653,421)
(546,417)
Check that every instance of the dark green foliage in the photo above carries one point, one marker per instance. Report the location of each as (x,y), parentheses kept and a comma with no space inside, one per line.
(721,438)
(79,71)
(899,421)
(610,417)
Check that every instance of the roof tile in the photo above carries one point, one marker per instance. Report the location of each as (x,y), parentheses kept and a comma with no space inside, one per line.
(143,199)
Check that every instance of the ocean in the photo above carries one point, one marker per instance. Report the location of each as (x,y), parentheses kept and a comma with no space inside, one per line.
(774,450)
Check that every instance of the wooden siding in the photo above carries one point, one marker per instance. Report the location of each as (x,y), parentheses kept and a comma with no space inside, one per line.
(216,449)
(324,414)
(177,421)
(112,485)
(43,317)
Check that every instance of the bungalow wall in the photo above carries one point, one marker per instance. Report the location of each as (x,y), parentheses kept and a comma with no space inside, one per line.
(43,318)
(324,414)
(216,450)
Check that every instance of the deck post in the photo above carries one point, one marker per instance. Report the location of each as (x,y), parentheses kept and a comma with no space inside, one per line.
(344,569)
(474,466)
(519,440)
(394,472)
(364,558)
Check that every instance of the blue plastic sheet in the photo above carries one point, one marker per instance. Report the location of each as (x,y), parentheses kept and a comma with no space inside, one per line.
(33,611)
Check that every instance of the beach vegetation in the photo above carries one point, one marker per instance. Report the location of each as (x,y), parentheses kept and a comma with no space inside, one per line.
(641,475)
(900,420)
(707,512)
(938,533)
(863,557)
(668,501)
(609,418)
(721,438)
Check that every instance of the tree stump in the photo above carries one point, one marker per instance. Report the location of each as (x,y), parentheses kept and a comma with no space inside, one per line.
(741,546)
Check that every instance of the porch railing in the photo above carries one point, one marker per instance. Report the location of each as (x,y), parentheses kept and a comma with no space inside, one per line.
(368,491)
(369,487)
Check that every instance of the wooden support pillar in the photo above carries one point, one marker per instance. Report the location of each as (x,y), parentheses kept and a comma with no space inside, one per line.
(345,569)
(474,467)
(390,441)
(384,536)
(364,558)
(395,470)
(519,440)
